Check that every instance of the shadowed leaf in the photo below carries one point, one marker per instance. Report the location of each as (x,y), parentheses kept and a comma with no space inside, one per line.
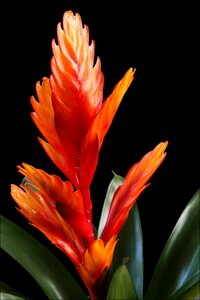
(45,268)
(180,259)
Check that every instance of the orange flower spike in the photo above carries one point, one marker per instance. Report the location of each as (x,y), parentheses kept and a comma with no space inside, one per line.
(78,121)
(95,263)
(133,185)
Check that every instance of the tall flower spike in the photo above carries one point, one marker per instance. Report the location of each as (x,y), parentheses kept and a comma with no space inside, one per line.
(69,111)
(73,118)
(133,185)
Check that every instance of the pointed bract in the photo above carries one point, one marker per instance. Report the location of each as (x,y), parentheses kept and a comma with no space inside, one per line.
(133,185)
(96,261)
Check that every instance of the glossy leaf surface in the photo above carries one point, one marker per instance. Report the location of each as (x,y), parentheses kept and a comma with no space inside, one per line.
(180,259)
(130,245)
(193,293)
(187,286)
(121,286)
(130,248)
(8,293)
(115,182)
(45,268)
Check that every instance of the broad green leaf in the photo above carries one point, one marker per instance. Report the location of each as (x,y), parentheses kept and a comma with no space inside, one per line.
(121,286)
(45,268)
(8,293)
(115,182)
(130,246)
(187,286)
(193,293)
(180,259)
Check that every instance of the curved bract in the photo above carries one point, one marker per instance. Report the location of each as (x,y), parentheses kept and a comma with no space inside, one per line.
(128,192)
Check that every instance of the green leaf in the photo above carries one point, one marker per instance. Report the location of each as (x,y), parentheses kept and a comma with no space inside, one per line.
(95,231)
(180,259)
(130,246)
(193,293)
(8,293)
(121,286)
(114,184)
(45,268)
(187,286)
(28,183)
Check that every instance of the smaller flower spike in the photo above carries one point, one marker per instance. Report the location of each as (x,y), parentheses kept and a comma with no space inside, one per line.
(95,262)
(54,208)
(128,192)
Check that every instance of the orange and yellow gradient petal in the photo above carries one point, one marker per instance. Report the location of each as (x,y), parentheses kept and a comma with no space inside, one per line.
(96,261)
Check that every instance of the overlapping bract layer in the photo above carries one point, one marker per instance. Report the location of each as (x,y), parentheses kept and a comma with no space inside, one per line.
(54,208)
(69,111)
(96,261)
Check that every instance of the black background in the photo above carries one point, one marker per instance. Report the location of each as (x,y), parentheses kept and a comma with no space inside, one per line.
(160,41)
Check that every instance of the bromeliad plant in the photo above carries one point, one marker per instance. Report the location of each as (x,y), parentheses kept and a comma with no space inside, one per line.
(70,113)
